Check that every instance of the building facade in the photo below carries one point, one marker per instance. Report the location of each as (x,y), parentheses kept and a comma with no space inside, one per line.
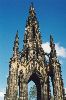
(31,64)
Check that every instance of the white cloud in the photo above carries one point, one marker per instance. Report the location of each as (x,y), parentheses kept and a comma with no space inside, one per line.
(61,51)
(1,95)
(46,47)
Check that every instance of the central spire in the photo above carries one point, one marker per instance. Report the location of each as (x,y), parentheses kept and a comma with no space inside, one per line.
(32,32)
(32,36)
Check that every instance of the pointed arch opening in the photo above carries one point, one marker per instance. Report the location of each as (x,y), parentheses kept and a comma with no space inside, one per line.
(34,82)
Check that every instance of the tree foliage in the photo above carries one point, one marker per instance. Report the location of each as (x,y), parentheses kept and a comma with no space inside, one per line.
(33,93)
(52,98)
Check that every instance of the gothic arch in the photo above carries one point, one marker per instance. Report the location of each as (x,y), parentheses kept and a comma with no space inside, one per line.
(36,76)
(36,79)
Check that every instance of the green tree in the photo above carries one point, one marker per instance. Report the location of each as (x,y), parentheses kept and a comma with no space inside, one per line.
(33,93)
(52,98)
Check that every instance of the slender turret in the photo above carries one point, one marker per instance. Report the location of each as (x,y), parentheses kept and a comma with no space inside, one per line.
(55,73)
(12,80)
(16,44)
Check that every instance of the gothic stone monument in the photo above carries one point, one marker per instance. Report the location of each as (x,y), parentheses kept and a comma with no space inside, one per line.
(31,64)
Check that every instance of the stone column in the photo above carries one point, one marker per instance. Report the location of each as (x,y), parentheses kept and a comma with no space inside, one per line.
(23,87)
(45,89)
(57,82)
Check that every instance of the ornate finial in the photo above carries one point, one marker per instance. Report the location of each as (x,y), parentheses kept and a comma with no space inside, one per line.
(52,45)
(16,38)
(51,41)
(51,38)
(31,6)
(31,10)
(15,49)
(17,32)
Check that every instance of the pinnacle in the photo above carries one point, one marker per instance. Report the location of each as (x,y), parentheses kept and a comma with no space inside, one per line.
(51,38)
(32,10)
(16,44)
(16,41)
(16,38)
(17,33)
(51,41)
(52,46)
(31,6)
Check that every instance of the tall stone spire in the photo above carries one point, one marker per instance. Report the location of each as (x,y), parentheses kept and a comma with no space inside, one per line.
(12,83)
(55,73)
(32,31)
(32,37)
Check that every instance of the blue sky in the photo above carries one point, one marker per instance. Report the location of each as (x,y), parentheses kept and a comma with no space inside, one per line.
(13,14)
